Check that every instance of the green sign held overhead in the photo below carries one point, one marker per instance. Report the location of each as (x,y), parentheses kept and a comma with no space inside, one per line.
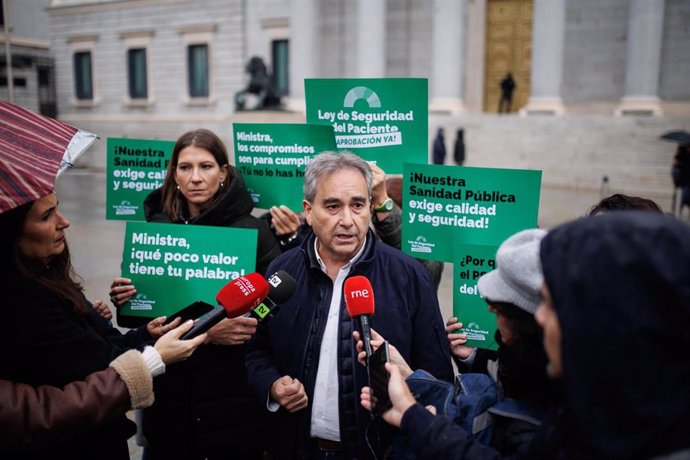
(384,120)
(470,263)
(175,265)
(273,157)
(134,168)
(443,205)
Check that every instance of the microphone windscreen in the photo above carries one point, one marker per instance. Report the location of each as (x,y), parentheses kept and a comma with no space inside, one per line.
(359,296)
(242,294)
(282,286)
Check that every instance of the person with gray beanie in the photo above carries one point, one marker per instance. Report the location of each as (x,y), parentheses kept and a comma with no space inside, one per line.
(512,293)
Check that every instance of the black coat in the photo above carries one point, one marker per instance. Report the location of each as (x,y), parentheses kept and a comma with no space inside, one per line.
(203,406)
(45,342)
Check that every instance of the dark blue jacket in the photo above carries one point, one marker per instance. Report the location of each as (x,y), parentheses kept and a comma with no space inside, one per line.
(407,314)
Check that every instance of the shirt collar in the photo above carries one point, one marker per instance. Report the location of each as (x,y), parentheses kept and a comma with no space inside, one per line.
(347,265)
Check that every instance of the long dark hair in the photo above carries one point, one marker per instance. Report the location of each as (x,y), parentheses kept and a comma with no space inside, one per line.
(522,364)
(202,138)
(58,277)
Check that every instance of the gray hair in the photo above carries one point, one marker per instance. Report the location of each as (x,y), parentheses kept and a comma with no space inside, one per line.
(327,163)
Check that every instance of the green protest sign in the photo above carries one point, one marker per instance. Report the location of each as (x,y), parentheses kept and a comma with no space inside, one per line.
(447,204)
(134,168)
(174,265)
(385,120)
(470,263)
(272,158)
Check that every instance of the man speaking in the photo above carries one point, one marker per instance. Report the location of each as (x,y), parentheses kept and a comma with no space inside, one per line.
(303,363)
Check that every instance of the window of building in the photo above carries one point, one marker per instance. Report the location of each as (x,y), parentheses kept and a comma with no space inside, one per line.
(197,41)
(137,76)
(137,45)
(84,72)
(198,70)
(280,63)
(83,76)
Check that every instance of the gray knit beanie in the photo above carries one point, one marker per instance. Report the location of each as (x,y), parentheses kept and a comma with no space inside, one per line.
(517,278)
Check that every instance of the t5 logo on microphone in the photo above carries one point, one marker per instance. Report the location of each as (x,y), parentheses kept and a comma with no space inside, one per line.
(275,280)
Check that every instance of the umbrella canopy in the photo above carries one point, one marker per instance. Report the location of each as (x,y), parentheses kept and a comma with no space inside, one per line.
(680,137)
(34,151)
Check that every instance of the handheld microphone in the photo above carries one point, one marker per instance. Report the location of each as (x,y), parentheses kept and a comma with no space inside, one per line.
(359,300)
(235,299)
(281,287)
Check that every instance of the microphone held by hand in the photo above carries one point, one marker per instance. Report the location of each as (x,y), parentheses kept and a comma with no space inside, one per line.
(359,301)
(235,299)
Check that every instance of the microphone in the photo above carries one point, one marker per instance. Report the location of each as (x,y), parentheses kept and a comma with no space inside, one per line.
(281,287)
(235,299)
(359,301)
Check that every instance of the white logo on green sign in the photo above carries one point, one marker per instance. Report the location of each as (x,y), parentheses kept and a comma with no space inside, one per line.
(141,302)
(362,93)
(475,332)
(421,245)
(125,208)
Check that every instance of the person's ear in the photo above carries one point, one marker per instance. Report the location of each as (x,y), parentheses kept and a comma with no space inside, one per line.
(225,174)
(306,205)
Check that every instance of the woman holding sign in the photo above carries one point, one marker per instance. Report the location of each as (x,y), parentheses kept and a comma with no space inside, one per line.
(205,404)
(52,335)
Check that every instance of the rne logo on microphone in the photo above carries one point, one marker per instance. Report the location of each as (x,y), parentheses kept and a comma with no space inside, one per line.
(359,293)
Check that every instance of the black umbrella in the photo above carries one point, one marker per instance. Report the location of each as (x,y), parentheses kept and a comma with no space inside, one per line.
(679,137)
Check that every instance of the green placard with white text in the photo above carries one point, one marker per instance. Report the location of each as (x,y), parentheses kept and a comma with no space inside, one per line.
(134,168)
(173,265)
(385,120)
(443,205)
(470,262)
(272,158)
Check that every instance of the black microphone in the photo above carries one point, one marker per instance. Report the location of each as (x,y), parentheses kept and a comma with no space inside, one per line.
(281,287)
(235,299)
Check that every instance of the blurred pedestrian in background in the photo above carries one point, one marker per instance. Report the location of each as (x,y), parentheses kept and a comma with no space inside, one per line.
(459,150)
(439,148)
(507,87)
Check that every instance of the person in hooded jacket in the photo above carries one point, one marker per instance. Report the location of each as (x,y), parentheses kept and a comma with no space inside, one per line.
(204,405)
(616,294)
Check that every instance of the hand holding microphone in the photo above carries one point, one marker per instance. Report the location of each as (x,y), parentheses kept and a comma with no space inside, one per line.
(238,330)
(235,299)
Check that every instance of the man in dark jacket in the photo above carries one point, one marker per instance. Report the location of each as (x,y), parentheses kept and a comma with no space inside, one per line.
(303,364)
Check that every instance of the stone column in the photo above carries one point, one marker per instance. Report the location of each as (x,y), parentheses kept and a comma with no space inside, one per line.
(303,49)
(371,38)
(548,31)
(448,53)
(645,33)
(476,47)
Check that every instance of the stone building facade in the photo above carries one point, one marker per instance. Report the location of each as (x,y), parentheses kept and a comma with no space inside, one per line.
(578,58)
(33,73)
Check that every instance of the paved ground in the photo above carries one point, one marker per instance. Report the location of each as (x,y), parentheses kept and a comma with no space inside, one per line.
(96,244)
